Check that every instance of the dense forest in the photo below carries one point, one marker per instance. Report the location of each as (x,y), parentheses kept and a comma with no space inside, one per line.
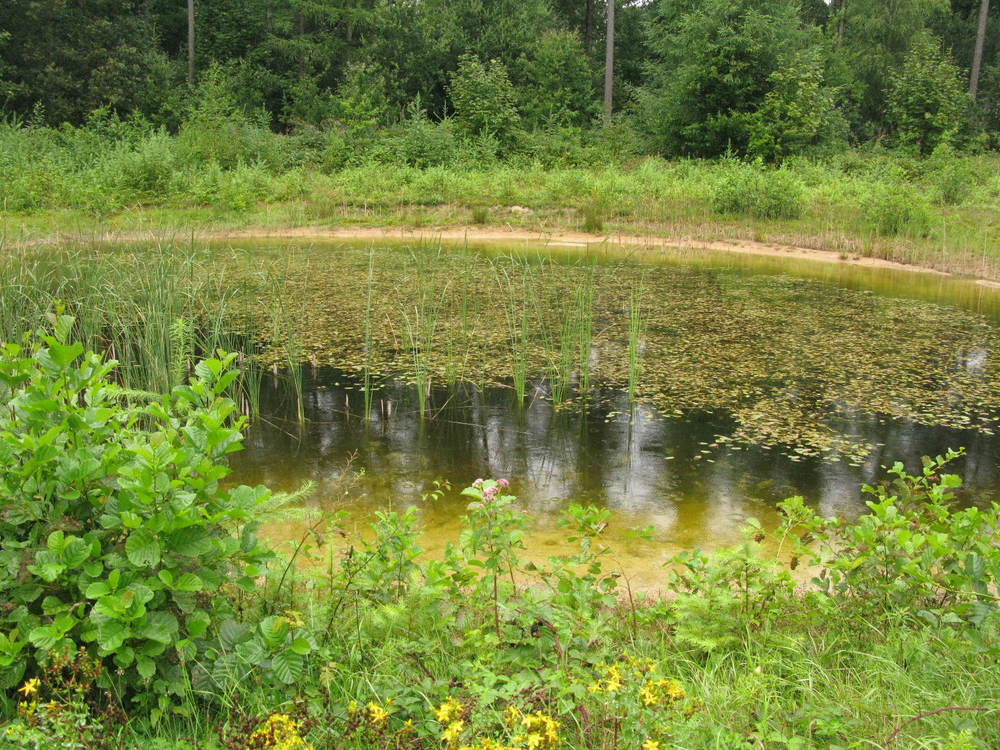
(416,80)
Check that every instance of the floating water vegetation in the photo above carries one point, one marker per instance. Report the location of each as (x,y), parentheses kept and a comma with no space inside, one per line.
(795,363)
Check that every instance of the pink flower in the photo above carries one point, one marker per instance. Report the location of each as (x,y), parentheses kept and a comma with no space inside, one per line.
(478,482)
(503,483)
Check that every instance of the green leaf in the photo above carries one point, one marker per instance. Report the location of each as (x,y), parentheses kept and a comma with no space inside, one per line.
(97,589)
(197,623)
(145,666)
(274,630)
(62,355)
(232,633)
(111,634)
(287,666)
(44,637)
(142,548)
(301,646)
(159,626)
(188,582)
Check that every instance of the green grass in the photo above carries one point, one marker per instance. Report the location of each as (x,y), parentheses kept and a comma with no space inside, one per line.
(155,311)
(943,211)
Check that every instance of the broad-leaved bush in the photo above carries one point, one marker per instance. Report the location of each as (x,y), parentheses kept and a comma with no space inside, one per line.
(119,536)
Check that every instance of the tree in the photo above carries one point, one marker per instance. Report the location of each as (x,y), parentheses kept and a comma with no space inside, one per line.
(417,45)
(977,56)
(875,36)
(927,101)
(71,58)
(609,63)
(799,111)
(190,20)
(557,86)
(711,70)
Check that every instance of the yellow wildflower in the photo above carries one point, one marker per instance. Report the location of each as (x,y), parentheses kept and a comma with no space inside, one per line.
(672,689)
(453,731)
(594,687)
(377,714)
(543,730)
(613,683)
(512,716)
(650,745)
(649,694)
(448,710)
(279,732)
(30,687)
(352,708)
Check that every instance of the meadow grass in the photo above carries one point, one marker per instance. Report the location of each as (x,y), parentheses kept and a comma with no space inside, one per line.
(155,311)
(942,211)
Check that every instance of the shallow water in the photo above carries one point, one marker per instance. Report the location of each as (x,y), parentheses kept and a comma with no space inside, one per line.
(760,379)
(663,473)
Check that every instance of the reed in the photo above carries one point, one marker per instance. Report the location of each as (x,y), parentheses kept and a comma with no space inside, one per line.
(562,372)
(369,340)
(516,300)
(154,309)
(585,329)
(635,332)
(420,326)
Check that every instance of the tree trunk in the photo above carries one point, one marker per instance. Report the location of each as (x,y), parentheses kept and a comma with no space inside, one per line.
(190,42)
(609,64)
(588,22)
(977,55)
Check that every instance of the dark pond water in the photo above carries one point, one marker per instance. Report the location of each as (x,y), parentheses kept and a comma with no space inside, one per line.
(667,473)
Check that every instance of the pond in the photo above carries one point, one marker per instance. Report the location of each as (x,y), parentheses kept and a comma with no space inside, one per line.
(686,392)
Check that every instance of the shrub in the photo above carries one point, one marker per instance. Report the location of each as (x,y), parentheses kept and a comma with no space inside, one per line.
(218,129)
(418,142)
(592,217)
(755,191)
(145,172)
(118,538)
(917,552)
(927,99)
(952,178)
(892,210)
(483,98)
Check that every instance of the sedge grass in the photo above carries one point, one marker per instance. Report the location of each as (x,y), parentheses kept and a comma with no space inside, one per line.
(635,332)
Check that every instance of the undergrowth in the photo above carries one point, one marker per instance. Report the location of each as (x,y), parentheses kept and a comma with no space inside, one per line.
(142,610)
(875,202)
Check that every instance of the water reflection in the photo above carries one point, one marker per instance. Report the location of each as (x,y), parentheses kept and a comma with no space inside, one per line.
(668,473)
